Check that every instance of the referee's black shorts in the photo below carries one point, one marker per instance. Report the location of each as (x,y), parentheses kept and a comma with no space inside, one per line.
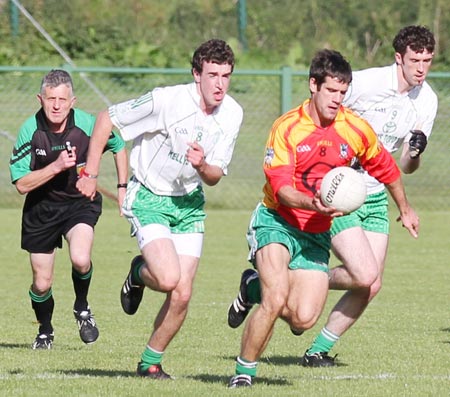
(45,223)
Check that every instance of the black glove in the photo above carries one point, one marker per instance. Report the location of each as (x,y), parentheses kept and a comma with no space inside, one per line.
(417,143)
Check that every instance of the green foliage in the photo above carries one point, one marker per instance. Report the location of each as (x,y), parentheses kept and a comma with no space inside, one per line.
(161,33)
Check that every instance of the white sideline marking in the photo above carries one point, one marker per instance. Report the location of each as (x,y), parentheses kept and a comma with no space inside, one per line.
(357,376)
(380,376)
(49,375)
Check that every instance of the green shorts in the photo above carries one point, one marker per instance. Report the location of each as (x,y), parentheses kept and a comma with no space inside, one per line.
(371,216)
(309,251)
(181,214)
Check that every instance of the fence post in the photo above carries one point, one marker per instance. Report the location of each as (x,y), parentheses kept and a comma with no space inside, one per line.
(286,89)
(242,23)
(14,19)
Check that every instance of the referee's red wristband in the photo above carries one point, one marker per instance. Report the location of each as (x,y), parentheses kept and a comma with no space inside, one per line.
(83,173)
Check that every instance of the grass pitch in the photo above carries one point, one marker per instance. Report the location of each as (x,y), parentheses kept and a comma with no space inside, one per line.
(400,347)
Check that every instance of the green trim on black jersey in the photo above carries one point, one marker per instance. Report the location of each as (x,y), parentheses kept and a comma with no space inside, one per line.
(21,159)
(86,121)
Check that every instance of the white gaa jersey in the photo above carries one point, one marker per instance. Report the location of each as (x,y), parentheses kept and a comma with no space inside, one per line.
(373,95)
(162,122)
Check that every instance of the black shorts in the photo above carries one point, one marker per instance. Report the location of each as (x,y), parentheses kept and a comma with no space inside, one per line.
(45,223)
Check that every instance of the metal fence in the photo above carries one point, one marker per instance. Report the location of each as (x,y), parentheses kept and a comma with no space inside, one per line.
(264,95)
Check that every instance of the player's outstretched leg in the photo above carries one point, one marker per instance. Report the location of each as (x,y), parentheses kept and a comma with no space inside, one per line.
(240,307)
(132,292)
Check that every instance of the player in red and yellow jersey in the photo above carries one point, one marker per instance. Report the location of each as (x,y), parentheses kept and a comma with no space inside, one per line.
(401,107)
(299,153)
(288,236)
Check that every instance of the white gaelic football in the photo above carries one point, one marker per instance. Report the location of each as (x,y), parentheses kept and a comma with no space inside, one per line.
(343,188)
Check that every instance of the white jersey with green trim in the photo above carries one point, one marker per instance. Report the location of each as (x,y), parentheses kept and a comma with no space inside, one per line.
(373,94)
(162,122)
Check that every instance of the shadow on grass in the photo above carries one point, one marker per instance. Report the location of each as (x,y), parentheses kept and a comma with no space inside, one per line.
(276,360)
(99,373)
(75,373)
(284,360)
(281,360)
(15,345)
(446,330)
(207,378)
(28,347)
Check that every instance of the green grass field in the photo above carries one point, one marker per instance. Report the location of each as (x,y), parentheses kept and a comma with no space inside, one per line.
(400,347)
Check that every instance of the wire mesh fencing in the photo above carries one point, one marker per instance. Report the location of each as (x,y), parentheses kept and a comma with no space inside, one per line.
(261,95)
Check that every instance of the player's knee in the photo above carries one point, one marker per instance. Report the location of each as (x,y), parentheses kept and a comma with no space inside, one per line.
(81,263)
(41,287)
(274,302)
(181,298)
(363,282)
(375,288)
(167,283)
(161,279)
(304,319)
(366,278)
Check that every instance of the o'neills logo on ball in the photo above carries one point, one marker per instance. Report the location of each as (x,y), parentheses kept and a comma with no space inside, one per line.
(333,187)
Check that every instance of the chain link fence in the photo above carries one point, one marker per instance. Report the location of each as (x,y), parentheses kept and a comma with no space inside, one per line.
(263,94)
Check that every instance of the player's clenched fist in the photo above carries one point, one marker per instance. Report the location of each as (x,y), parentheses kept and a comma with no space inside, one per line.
(417,143)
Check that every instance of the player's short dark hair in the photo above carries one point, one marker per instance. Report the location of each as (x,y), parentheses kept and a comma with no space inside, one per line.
(418,38)
(215,51)
(55,78)
(330,63)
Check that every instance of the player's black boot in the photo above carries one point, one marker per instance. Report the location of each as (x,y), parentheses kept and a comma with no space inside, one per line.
(240,380)
(240,307)
(86,325)
(131,294)
(319,359)
(153,372)
(43,341)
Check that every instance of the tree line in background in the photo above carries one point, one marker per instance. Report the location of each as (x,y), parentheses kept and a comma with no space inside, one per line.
(163,33)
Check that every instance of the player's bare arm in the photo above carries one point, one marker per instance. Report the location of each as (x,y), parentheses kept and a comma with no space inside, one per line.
(210,174)
(121,161)
(87,184)
(37,178)
(291,197)
(407,216)
(407,163)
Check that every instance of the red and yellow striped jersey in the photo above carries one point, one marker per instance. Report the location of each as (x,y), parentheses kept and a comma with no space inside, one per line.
(299,153)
